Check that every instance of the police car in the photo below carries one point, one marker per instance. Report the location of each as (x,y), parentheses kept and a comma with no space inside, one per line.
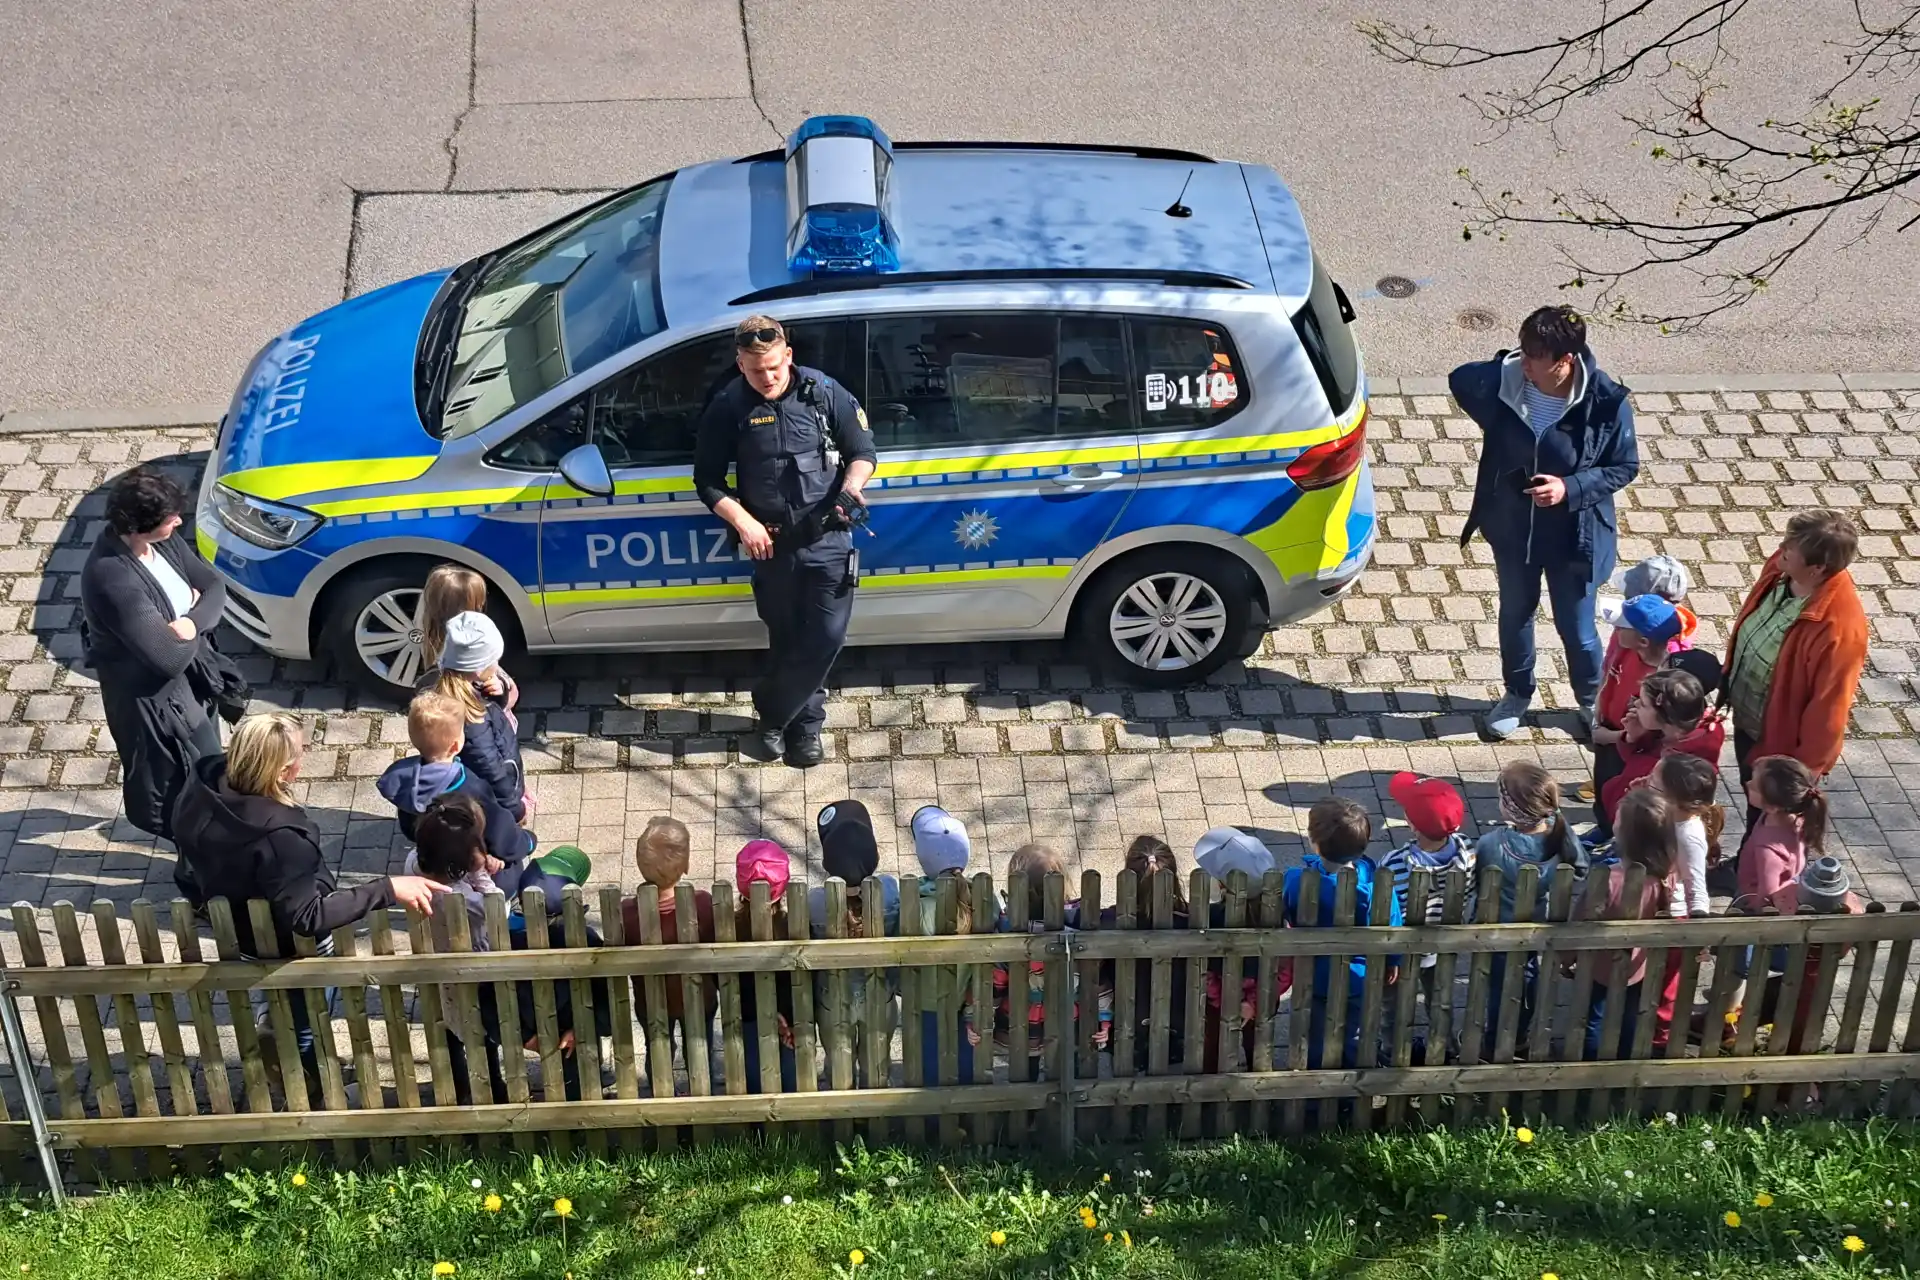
(1113,392)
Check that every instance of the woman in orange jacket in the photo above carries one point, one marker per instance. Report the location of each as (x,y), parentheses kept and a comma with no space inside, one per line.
(1798,648)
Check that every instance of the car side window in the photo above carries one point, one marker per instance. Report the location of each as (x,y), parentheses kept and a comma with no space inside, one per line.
(649,415)
(948,379)
(1188,375)
(541,446)
(1093,377)
(646,416)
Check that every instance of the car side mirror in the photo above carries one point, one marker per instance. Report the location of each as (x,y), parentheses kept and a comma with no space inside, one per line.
(585,468)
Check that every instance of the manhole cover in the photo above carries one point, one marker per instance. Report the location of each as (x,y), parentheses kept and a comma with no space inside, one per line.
(1395,287)
(1477,320)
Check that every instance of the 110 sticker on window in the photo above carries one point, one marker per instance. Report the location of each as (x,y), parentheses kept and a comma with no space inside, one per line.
(1214,388)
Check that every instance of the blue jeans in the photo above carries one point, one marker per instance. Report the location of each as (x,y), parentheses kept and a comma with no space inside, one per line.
(930,1049)
(1597,1013)
(789,1065)
(1572,588)
(1529,976)
(1317,1032)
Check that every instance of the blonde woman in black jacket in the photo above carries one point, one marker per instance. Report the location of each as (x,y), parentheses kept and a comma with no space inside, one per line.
(147,603)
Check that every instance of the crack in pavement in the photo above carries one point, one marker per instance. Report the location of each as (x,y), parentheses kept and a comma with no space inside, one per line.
(753,81)
(473,75)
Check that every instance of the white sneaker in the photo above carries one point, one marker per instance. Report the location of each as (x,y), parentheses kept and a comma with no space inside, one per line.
(1504,720)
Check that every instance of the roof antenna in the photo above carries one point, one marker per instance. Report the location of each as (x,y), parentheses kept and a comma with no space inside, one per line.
(1176,209)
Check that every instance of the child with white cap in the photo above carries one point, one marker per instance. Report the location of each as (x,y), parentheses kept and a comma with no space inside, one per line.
(470,675)
(943,848)
(1221,852)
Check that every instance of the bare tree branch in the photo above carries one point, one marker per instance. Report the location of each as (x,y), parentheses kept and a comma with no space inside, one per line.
(1752,196)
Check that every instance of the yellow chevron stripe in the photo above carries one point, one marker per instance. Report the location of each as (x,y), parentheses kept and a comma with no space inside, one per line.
(618,595)
(422,501)
(1311,537)
(737,590)
(955,576)
(204,541)
(292,479)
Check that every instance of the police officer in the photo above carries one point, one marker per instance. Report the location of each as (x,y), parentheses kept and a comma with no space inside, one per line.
(801,452)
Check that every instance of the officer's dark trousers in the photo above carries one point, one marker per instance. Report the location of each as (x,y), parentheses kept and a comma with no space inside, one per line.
(805,597)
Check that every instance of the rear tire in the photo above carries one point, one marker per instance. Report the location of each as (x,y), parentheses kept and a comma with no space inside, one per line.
(1167,616)
(371,629)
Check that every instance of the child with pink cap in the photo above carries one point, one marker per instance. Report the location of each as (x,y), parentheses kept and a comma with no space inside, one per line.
(764,862)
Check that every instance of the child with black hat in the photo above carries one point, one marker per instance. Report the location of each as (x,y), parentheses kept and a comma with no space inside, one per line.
(849,852)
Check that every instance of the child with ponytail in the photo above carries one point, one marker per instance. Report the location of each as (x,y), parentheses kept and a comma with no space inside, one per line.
(1792,828)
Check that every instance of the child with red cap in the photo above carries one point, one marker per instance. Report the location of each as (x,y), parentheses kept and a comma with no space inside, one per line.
(1434,811)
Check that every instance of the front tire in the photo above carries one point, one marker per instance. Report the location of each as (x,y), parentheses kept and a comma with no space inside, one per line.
(1168,616)
(372,630)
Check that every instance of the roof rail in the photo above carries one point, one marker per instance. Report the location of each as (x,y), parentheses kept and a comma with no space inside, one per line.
(1102,148)
(902,279)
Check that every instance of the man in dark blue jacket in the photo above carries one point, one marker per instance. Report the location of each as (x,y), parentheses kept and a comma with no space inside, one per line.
(1557,444)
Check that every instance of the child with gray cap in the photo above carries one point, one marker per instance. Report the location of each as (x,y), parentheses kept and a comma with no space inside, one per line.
(1823,888)
(470,675)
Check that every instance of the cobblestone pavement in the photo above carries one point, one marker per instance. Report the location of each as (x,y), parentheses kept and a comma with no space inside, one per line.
(1020,741)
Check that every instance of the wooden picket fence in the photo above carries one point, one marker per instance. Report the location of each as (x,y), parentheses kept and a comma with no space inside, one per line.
(173,1072)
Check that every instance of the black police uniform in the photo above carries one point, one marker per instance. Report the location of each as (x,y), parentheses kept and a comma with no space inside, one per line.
(785,479)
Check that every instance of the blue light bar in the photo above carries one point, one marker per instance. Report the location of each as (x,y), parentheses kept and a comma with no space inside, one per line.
(840,197)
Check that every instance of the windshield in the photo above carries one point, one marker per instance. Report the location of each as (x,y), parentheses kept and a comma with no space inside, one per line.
(560,303)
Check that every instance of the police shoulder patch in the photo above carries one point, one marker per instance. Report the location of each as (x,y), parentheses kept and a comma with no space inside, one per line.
(860,416)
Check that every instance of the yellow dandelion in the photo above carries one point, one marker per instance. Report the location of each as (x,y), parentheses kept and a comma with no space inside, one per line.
(1763,1200)
(299,1179)
(1091,1222)
(444,1268)
(1854,1244)
(1108,1238)
(1731,1218)
(1548,1275)
(1439,1217)
(856,1257)
(1126,1240)
(492,1204)
(1106,1177)
(998,1239)
(563,1207)
(1523,1135)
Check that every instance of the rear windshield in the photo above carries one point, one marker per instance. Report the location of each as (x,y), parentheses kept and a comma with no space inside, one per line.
(1324,326)
(560,303)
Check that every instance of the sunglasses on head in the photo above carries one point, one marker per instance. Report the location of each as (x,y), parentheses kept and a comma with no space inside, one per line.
(747,337)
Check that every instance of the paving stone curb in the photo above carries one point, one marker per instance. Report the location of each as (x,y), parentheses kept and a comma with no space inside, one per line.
(139,418)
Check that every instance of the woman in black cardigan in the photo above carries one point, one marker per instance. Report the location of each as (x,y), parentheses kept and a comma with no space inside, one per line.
(147,603)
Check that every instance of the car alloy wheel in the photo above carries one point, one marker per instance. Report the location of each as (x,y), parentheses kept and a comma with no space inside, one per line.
(1168,622)
(390,638)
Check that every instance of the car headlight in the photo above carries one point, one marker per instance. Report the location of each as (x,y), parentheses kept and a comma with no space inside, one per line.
(274,525)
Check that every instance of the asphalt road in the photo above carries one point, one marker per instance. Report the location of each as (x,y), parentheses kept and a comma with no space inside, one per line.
(178,181)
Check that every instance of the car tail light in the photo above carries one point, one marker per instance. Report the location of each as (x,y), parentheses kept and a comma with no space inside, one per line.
(1328,464)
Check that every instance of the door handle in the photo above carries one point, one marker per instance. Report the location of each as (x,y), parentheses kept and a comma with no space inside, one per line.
(1082,476)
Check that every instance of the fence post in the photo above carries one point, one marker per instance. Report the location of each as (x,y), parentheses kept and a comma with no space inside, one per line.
(30,1094)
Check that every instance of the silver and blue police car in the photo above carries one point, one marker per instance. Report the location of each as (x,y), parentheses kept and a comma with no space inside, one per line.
(1114,394)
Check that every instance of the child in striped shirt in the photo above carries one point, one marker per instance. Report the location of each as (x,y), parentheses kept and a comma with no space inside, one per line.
(1434,811)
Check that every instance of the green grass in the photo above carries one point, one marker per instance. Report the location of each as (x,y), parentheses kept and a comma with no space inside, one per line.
(1637,1201)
